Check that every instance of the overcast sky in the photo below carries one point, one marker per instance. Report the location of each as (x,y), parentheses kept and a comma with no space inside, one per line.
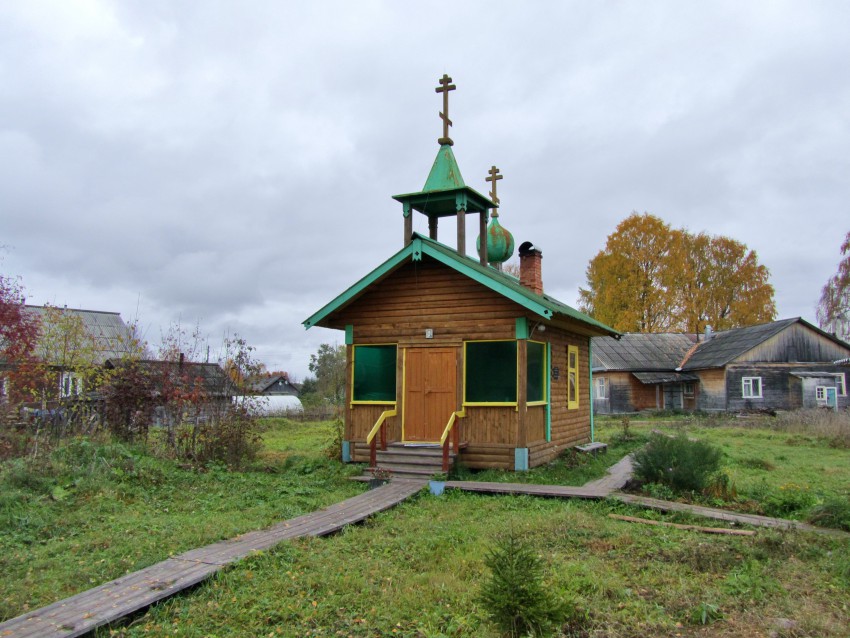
(232,162)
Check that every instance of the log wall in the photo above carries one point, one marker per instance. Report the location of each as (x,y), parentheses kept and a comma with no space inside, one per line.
(427,294)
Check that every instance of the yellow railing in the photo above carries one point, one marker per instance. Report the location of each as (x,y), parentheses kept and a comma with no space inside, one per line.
(370,438)
(444,440)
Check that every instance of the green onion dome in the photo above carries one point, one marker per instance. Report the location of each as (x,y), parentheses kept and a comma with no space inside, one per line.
(500,242)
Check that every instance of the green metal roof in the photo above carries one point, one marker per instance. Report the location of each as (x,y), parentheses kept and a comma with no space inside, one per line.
(445,191)
(543,305)
(445,173)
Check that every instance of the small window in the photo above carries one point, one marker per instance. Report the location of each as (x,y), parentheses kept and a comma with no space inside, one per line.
(490,372)
(751,387)
(601,385)
(820,394)
(374,374)
(689,389)
(840,384)
(535,378)
(70,385)
(572,377)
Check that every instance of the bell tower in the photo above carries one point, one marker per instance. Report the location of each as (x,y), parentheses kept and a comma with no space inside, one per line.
(445,194)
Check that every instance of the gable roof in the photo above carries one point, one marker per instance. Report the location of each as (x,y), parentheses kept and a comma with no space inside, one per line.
(544,306)
(110,334)
(636,351)
(726,346)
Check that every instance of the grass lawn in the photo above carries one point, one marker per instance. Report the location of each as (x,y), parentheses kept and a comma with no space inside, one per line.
(416,570)
(98,511)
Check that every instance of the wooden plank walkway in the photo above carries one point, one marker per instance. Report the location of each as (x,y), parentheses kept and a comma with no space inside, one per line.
(116,599)
(725,515)
(617,477)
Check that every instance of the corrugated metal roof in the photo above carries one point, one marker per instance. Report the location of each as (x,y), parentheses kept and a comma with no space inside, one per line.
(110,334)
(725,346)
(638,351)
(664,377)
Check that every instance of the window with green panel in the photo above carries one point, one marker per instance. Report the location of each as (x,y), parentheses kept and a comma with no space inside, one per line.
(491,372)
(536,370)
(374,374)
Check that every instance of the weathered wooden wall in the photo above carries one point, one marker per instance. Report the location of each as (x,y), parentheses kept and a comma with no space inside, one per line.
(796,343)
(712,390)
(780,389)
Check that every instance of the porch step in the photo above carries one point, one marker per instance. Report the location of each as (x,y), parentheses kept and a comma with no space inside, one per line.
(412,460)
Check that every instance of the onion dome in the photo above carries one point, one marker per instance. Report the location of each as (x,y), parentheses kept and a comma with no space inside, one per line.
(500,241)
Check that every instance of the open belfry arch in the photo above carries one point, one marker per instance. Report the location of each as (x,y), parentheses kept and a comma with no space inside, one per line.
(450,359)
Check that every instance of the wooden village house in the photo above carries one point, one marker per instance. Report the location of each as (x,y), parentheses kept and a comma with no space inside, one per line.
(447,353)
(781,365)
(71,340)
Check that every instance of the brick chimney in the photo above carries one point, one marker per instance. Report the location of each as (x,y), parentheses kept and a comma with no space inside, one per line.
(530,273)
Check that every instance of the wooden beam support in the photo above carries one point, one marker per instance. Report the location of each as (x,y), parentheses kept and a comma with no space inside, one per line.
(432,227)
(408,229)
(521,394)
(461,231)
(482,233)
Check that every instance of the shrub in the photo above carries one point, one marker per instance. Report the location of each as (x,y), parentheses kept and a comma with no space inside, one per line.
(834,512)
(678,462)
(514,595)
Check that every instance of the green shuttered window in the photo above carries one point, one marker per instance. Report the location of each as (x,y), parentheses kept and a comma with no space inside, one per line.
(491,372)
(536,372)
(374,374)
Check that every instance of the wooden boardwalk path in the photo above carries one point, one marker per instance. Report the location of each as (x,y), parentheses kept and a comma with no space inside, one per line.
(617,477)
(725,515)
(111,601)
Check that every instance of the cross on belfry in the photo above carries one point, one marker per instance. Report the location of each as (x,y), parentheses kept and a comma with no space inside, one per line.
(444,88)
(494,177)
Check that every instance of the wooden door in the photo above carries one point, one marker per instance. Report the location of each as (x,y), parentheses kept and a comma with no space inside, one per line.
(430,396)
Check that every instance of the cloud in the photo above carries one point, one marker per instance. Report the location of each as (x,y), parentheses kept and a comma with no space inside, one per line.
(235,164)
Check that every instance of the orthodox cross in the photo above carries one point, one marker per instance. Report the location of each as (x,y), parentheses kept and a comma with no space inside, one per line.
(494,177)
(444,88)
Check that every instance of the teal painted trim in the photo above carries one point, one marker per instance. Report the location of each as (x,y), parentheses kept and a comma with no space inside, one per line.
(521,459)
(489,282)
(549,393)
(542,305)
(590,387)
(349,335)
(521,328)
(413,249)
(346,451)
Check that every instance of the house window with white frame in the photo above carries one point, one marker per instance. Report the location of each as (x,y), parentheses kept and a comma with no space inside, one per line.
(840,384)
(820,394)
(601,384)
(70,385)
(751,387)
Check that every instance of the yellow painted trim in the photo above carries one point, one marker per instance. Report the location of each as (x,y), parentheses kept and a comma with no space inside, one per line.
(375,428)
(353,403)
(466,403)
(459,414)
(536,403)
(403,390)
(573,405)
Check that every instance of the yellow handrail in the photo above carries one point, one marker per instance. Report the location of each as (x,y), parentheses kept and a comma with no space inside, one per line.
(455,415)
(384,416)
